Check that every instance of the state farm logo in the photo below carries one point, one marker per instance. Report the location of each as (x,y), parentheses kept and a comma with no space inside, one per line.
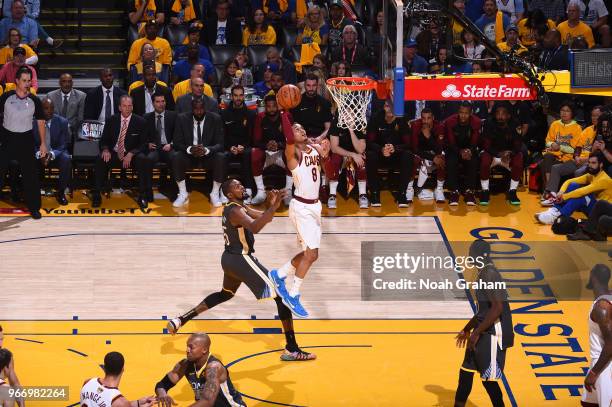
(486,92)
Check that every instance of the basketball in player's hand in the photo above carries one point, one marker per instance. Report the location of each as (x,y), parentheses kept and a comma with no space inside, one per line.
(288,97)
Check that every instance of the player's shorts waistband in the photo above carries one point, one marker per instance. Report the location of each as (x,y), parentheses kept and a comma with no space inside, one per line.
(304,200)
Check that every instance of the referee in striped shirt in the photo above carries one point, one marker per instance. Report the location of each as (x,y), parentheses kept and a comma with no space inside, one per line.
(18,109)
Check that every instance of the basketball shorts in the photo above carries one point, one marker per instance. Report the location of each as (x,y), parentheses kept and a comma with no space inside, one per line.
(307,221)
(245,268)
(602,395)
(488,359)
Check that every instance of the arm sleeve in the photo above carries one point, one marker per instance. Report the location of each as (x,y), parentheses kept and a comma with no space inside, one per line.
(32,33)
(287,130)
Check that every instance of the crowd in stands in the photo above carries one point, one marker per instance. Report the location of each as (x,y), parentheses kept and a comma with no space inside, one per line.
(202,77)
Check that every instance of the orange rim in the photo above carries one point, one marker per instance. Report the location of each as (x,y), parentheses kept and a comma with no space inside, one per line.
(352,83)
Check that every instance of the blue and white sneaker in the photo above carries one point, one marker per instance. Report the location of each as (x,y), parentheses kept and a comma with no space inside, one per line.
(295,306)
(279,283)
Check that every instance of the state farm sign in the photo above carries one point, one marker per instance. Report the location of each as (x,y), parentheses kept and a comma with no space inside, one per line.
(465,88)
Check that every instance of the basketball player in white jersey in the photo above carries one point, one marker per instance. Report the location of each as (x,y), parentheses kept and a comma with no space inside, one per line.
(6,357)
(304,160)
(9,376)
(105,392)
(598,382)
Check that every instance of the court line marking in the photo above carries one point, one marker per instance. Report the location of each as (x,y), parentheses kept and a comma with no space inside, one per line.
(235,319)
(239,333)
(473,305)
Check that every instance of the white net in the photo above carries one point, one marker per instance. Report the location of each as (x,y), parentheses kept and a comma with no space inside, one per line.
(352,96)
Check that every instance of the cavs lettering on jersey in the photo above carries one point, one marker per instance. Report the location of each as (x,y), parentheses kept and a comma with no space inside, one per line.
(95,394)
(228,395)
(307,175)
(238,240)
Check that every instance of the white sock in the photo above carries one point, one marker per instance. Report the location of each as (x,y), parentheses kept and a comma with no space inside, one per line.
(513,185)
(215,188)
(286,269)
(362,187)
(182,186)
(49,40)
(295,290)
(259,183)
(323,179)
(422,178)
(410,183)
(288,182)
(333,186)
(440,184)
(484,183)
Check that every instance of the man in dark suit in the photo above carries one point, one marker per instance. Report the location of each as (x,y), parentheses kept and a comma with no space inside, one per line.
(221,29)
(183,104)
(143,95)
(57,138)
(198,139)
(102,102)
(123,143)
(160,126)
(70,103)
(555,55)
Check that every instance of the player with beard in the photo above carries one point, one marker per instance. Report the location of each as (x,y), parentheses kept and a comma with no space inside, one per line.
(314,111)
(240,223)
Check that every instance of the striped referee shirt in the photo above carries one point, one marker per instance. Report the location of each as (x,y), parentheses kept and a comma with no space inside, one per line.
(18,113)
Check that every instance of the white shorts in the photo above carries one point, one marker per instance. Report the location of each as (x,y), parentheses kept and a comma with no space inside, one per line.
(307,221)
(603,389)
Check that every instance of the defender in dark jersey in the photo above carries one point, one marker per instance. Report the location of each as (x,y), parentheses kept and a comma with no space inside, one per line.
(488,334)
(240,223)
(209,379)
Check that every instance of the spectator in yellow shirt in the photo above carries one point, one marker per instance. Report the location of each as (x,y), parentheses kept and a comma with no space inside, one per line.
(581,193)
(533,28)
(257,31)
(574,28)
(184,87)
(148,58)
(182,12)
(163,52)
(6,53)
(512,41)
(141,11)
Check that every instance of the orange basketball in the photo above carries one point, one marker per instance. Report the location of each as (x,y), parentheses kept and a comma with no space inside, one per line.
(288,97)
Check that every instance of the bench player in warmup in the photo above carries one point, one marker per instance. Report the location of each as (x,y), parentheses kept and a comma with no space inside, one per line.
(240,223)
(304,160)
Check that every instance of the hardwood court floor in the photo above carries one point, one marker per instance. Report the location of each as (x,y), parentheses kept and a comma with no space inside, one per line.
(120,274)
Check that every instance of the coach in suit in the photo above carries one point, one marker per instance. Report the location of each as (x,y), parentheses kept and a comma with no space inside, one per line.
(140,94)
(123,144)
(183,104)
(102,102)
(198,139)
(57,138)
(69,103)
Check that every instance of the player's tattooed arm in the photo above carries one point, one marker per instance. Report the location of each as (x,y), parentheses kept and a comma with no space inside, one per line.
(215,375)
(602,315)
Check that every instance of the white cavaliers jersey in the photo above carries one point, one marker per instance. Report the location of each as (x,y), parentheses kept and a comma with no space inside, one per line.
(596,341)
(95,394)
(307,175)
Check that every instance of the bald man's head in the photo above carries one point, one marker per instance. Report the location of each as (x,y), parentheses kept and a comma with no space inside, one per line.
(198,346)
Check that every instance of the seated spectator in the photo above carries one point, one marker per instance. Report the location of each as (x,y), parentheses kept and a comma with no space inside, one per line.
(314,110)
(350,50)
(181,70)
(163,52)
(512,43)
(285,67)
(490,63)
(340,69)
(221,30)
(319,61)
(242,58)
(573,28)
(276,82)
(471,47)
(103,101)
(141,11)
(20,11)
(143,95)
(321,78)
(315,30)
(598,226)
(263,87)
(276,12)
(193,37)
(429,41)
(555,55)
(581,193)
(9,70)
(182,12)
(533,28)
(6,53)
(183,104)
(70,103)
(552,9)
(413,63)
(388,146)
(603,140)
(501,146)
(596,17)
(258,31)
(512,8)
(268,147)
(337,22)
(228,77)
(457,28)
(57,138)
(577,165)
(147,58)
(184,87)
(462,132)
(493,23)
(561,141)
(299,8)
(477,67)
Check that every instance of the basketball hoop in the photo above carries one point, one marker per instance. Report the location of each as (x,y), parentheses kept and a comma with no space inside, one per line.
(352,95)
